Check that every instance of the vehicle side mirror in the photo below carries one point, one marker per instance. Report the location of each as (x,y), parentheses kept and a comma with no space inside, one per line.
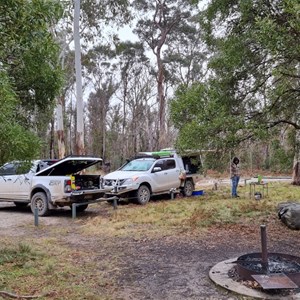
(156,169)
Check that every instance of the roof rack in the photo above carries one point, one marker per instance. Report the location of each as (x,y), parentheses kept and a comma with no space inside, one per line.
(157,154)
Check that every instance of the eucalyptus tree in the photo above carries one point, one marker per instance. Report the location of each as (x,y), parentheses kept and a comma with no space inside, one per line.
(93,15)
(98,106)
(254,87)
(141,118)
(79,101)
(186,56)
(133,66)
(119,77)
(100,76)
(156,21)
(141,113)
(29,72)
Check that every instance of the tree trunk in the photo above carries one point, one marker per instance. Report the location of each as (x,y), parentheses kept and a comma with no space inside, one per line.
(296,165)
(161,101)
(51,150)
(60,131)
(79,128)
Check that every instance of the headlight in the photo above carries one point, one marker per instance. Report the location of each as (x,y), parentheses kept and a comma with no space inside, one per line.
(127,181)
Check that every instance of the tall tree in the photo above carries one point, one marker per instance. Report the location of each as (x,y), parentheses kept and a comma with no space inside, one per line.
(79,119)
(160,18)
(98,106)
(254,86)
(102,80)
(132,62)
(93,16)
(186,55)
(30,74)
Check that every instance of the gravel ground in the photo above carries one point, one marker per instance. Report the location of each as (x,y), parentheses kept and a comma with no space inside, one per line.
(158,268)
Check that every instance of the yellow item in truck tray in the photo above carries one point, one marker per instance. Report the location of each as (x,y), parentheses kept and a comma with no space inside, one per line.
(73,186)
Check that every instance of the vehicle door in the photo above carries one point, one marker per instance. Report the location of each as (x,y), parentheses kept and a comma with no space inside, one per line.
(13,184)
(171,172)
(165,178)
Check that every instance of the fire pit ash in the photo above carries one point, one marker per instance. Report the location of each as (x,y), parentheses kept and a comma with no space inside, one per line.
(270,270)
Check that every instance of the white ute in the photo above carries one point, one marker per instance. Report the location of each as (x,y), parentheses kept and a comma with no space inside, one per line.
(49,184)
(154,173)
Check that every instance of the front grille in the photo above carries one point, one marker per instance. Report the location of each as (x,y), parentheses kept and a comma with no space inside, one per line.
(113,182)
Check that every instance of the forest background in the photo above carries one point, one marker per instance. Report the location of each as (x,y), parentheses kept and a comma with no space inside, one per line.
(221,76)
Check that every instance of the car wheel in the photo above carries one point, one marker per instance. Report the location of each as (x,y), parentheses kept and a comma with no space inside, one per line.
(20,204)
(39,200)
(143,194)
(188,188)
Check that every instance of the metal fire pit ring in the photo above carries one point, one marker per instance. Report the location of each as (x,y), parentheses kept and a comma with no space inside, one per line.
(219,274)
(251,264)
(275,272)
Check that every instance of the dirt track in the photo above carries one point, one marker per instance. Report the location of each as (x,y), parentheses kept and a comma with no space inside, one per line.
(12,217)
(168,267)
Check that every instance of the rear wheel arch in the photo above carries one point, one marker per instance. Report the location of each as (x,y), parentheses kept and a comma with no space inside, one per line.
(40,188)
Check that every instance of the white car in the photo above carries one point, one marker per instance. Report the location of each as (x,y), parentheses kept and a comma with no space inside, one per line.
(150,175)
(49,184)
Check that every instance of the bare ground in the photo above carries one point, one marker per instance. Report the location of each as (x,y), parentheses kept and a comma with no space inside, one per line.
(165,267)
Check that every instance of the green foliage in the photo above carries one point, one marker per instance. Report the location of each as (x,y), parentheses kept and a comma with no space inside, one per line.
(95,12)
(16,142)
(29,53)
(254,82)
(281,159)
(30,76)
(204,119)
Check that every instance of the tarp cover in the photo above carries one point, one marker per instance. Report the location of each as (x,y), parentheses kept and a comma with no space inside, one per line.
(289,214)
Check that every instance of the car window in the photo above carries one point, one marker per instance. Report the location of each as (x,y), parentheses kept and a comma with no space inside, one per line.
(159,164)
(15,168)
(23,167)
(138,165)
(170,164)
(8,169)
(43,164)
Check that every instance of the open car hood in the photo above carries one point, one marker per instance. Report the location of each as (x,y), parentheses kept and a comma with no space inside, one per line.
(69,165)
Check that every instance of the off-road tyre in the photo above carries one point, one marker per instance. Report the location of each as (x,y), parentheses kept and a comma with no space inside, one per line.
(188,188)
(143,195)
(39,200)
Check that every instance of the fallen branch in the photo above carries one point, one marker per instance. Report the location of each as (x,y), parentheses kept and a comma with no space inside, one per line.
(15,296)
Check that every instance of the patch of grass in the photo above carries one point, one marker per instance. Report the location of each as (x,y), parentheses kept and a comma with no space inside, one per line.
(46,265)
(48,268)
(17,256)
(216,207)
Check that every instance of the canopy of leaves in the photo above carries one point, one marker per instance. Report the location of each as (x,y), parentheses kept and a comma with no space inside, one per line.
(254,78)
(16,142)
(30,76)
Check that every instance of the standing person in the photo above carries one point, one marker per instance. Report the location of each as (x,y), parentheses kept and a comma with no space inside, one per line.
(235,176)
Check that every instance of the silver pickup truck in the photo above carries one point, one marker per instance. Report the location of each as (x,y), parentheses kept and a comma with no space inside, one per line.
(152,174)
(49,184)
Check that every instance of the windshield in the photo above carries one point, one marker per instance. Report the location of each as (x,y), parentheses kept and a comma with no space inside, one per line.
(138,165)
